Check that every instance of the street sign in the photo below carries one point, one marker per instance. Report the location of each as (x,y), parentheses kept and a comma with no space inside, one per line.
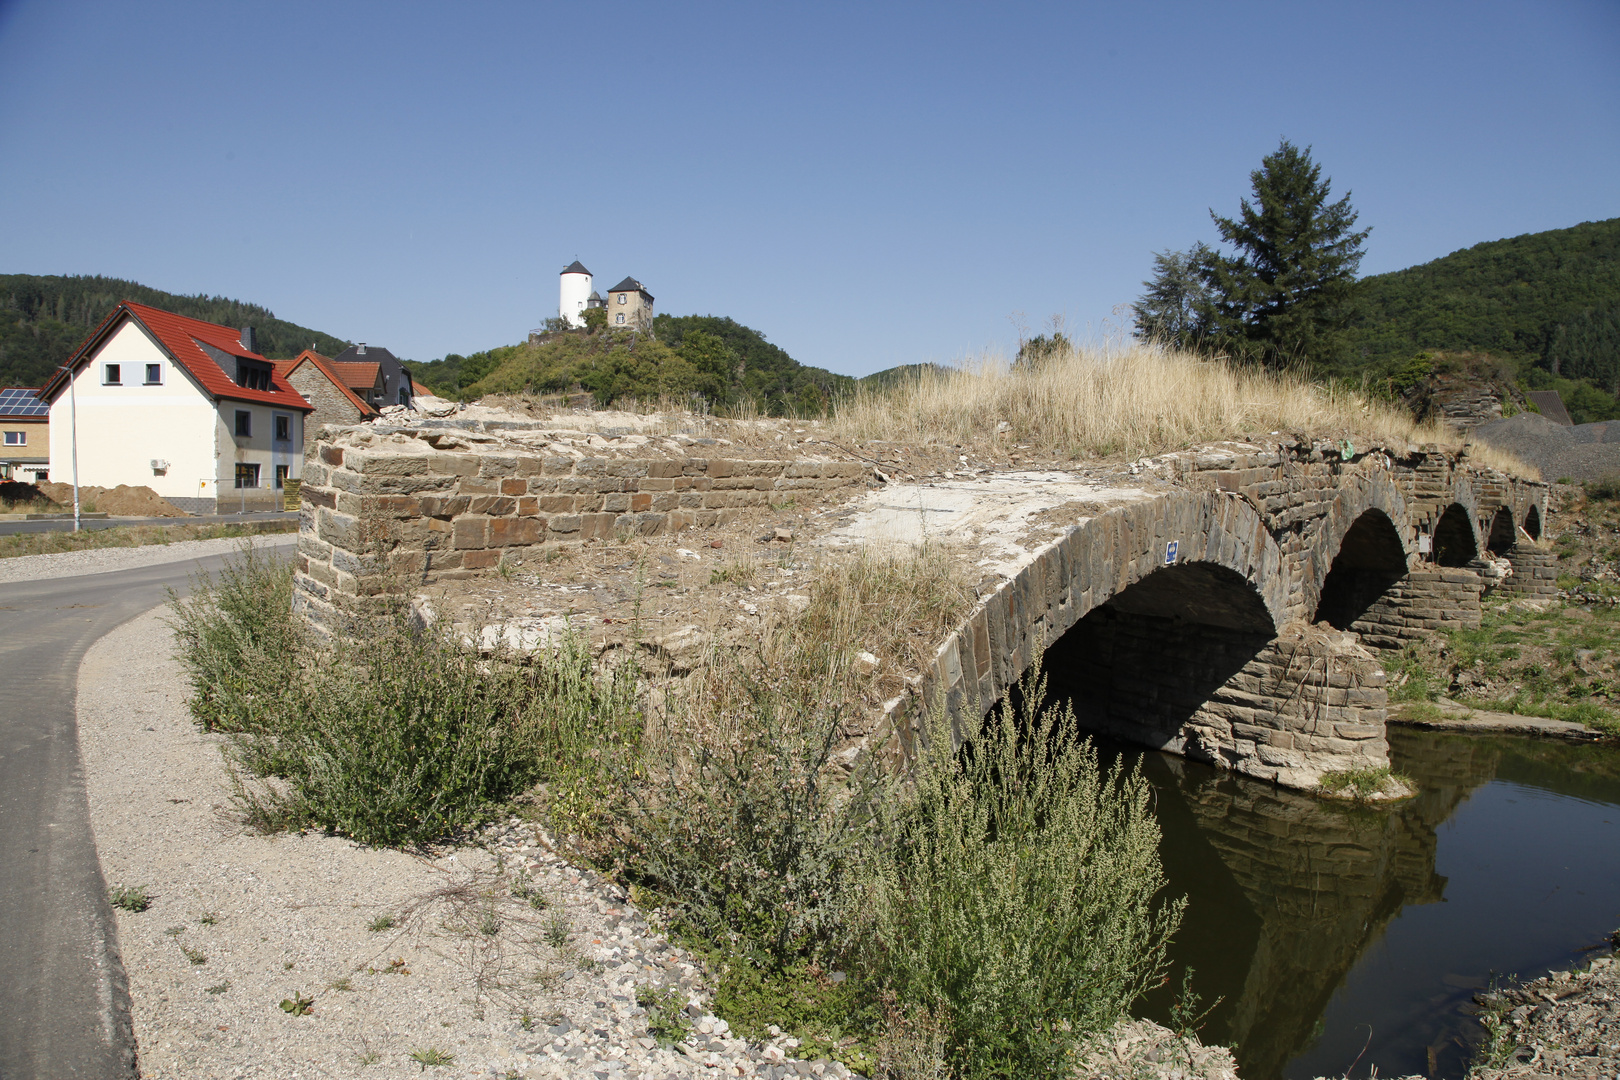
(1170,553)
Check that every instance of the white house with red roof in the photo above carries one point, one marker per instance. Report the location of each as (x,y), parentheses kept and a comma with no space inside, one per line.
(185,407)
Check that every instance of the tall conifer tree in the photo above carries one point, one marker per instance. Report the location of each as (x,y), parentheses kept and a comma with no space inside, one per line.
(1288,294)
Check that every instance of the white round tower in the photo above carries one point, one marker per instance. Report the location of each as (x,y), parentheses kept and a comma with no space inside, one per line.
(574,290)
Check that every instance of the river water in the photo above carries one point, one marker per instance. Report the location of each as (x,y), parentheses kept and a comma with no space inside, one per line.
(1340,938)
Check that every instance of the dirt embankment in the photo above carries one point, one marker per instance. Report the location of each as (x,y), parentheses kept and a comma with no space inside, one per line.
(121,501)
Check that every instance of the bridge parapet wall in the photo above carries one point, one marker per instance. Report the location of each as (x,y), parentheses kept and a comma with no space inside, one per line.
(427,505)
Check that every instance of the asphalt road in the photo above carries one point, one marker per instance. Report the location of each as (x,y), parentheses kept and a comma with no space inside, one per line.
(64,1001)
(9,527)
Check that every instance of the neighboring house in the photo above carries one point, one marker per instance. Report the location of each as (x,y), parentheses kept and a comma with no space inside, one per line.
(379,371)
(25,426)
(185,407)
(325,387)
(630,305)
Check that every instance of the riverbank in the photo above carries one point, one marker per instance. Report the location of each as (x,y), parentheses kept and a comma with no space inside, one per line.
(1566,1024)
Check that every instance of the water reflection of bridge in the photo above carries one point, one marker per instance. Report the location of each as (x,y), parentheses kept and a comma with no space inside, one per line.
(1289,890)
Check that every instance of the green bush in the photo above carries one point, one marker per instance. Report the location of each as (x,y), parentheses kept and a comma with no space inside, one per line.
(744,834)
(238,642)
(396,736)
(1013,895)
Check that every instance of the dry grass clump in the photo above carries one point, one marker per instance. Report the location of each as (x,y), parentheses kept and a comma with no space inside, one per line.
(1131,400)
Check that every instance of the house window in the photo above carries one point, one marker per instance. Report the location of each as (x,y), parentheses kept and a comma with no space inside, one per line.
(619,318)
(251,376)
(244,426)
(154,374)
(281,475)
(110,375)
(247,476)
(624,298)
(16,438)
(283,429)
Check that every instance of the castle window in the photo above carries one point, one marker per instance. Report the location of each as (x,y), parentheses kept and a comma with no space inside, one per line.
(619,318)
(624,298)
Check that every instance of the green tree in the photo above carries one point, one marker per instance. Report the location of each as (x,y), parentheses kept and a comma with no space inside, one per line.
(1288,293)
(1176,309)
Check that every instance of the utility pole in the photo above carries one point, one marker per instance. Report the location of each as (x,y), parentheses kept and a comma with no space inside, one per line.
(73,431)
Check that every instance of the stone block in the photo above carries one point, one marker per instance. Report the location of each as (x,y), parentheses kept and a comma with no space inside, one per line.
(470,532)
(507,531)
(494,505)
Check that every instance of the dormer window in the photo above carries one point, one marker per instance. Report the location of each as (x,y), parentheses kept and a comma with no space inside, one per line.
(251,375)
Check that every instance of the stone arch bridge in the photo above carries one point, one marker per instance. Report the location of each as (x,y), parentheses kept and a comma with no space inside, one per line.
(1226,603)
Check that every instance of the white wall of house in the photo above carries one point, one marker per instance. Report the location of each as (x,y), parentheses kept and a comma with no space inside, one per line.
(124,427)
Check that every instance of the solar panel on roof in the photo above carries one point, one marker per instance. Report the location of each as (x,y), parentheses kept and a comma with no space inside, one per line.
(20,401)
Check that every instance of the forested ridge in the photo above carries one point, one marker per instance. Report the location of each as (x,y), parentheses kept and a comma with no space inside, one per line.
(1549,300)
(44,319)
(708,360)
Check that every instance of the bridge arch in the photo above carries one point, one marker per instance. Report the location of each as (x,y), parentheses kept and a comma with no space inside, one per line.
(1503,533)
(1359,495)
(1456,540)
(1370,560)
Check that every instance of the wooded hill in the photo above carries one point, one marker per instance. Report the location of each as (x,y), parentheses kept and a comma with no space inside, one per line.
(44,319)
(701,359)
(1549,300)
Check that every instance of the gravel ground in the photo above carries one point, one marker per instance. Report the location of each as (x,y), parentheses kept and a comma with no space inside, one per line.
(103,560)
(501,957)
(1582,452)
(1566,1024)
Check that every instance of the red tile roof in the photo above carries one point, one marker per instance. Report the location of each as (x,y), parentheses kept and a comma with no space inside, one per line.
(358,374)
(179,336)
(326,367)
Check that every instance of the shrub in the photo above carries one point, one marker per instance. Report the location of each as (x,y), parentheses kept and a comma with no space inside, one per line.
(238,642)
(739,828)
(1013,895)
(394,737)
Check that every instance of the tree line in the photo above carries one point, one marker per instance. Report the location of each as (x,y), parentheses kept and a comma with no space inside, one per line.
(44,319)
(1281,290)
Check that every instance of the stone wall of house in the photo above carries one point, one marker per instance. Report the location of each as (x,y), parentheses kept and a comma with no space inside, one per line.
(331,407)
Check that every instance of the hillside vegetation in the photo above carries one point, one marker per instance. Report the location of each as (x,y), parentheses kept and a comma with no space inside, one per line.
(706,361)
(1549,300)
(44,319)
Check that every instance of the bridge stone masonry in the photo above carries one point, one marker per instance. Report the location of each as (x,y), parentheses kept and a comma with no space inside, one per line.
(1227,603)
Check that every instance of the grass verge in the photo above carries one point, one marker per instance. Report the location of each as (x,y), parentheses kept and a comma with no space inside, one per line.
(51,543)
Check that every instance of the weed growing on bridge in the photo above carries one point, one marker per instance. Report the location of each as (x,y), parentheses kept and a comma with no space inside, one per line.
(1124,400)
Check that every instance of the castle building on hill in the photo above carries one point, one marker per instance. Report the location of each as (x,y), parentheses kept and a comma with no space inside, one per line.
(629,304)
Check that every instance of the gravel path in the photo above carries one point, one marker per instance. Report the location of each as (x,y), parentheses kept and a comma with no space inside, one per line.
(500,957)
(102,560)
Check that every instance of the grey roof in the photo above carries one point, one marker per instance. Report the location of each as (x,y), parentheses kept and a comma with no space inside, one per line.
(575,267)
(1551,406)
(630,284)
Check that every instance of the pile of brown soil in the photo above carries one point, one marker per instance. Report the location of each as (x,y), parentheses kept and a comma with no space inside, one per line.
(16,496)
(121,501)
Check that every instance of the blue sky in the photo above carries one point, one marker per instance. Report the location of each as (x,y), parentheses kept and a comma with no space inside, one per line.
(867,184)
